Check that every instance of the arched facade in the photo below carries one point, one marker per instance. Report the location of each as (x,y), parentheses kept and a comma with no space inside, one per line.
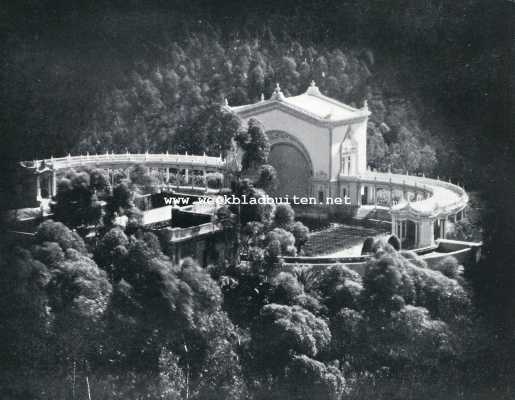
(293,171)
(292,162)
(322,129)
(281,137)
(333,137)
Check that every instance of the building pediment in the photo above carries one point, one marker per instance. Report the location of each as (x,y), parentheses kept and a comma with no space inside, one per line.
(311,106)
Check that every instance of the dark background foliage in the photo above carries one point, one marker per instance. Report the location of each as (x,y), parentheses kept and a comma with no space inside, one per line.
(63,61)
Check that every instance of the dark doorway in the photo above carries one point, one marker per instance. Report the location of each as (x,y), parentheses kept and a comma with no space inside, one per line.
(364,196)
(411,232)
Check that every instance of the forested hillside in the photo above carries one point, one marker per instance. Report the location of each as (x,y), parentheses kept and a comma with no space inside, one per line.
(110,315)
(171,102)
(117,78)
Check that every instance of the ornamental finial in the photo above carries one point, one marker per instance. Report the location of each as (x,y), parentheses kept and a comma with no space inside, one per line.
(278,94)
(226,102)
(262,97)
(313,89)
(365,104)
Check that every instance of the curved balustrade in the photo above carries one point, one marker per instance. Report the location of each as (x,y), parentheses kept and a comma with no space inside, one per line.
(115,160)
(443,197)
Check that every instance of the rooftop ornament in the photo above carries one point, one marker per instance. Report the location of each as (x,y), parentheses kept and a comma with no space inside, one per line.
(313,89)
(277,94)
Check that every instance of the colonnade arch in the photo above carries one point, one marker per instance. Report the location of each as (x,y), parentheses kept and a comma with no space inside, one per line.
(292,162)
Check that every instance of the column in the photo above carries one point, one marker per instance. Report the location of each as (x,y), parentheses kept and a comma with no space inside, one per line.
(49,186)
(204,176)
(186,175)
(177,253)
(38,188)
(394,225)
(167,174)
(54,183)
(370,194)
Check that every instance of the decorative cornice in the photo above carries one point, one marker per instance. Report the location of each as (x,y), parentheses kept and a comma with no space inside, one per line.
(269,105)
(278,100)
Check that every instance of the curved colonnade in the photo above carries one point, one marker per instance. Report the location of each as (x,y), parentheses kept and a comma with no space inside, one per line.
(420,210)
(426,206)
(184,165)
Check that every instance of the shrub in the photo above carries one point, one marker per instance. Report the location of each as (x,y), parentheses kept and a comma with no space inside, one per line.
(266,178)
(214,180)
(284,215)
(367,245)
(301,233)
(449,267)
(285,288)
(394,242)
(283,240)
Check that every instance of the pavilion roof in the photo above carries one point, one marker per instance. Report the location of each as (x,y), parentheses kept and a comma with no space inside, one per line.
(311,103)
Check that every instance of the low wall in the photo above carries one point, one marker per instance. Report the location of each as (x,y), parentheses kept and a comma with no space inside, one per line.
(174,235)
(466,253)
(186,219)
(157,215)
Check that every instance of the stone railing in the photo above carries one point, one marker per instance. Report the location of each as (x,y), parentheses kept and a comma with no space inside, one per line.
(444,197)
(114,160)
(179,234)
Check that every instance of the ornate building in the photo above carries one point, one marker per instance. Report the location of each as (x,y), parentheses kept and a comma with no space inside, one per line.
(317,143)
(319,149)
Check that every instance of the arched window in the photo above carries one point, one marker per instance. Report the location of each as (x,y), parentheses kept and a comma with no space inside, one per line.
(348,156)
